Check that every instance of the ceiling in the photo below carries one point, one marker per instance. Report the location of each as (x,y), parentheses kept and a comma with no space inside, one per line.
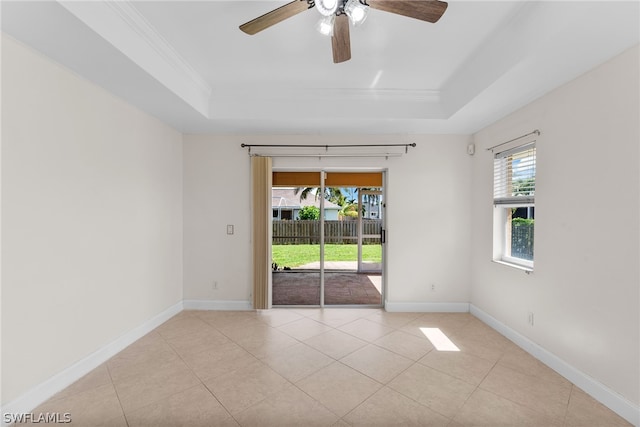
(187,63)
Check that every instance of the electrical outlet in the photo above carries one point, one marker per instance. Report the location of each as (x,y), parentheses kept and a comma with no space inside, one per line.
(530,318)
(215,285)
(230,229)
(433,287)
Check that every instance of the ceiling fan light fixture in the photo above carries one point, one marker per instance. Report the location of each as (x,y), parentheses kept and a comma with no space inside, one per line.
(325,25)
(356,11)
(339,15)
(327,7)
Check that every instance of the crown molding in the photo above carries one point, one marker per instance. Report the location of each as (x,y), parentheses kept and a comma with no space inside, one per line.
(124,27)
(150,35)
(230,102)
(503,50)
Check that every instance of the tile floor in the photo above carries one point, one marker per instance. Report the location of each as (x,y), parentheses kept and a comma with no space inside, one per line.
(331,367)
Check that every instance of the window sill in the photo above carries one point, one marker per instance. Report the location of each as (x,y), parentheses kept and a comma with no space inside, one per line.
(527,270)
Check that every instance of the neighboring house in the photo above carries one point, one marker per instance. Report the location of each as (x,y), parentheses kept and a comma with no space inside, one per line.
(372,208)
(286,205)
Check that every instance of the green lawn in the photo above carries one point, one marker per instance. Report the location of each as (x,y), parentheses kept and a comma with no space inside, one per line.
(297,255)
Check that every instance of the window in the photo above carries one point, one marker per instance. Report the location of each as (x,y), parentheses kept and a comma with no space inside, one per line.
(514,186)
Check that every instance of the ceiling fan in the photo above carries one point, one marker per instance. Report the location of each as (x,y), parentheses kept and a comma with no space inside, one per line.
(336,15)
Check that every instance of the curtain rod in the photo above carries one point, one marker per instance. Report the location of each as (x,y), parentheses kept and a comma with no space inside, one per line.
(535,132)
(327,146)
(386,155)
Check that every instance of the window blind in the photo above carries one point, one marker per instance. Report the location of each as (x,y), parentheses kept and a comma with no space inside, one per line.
(514,175)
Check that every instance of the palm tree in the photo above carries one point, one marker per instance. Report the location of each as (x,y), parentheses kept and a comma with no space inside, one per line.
(332,194)
(349,210)
(335,195)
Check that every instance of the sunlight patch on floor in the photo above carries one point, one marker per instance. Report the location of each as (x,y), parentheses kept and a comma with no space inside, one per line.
(439,340)
(376,280)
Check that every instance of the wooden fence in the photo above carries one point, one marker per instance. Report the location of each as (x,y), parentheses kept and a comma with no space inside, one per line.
(307,232)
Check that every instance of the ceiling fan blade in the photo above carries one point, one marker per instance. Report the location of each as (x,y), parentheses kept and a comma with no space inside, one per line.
(340,42)
(425,10)
(277,15)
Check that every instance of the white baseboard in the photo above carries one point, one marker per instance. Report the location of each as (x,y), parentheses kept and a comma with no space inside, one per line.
(598,391)
(427,307)
(43,391)
(197,304)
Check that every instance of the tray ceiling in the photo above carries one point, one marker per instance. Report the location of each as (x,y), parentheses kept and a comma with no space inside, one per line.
(187,63)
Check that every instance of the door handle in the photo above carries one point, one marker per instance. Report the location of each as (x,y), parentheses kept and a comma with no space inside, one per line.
(383,235)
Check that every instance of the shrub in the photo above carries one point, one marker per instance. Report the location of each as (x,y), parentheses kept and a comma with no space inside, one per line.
(309,212)
(522,221)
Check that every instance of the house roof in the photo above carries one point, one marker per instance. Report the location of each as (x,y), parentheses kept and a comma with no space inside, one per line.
(188,63)
(286,198)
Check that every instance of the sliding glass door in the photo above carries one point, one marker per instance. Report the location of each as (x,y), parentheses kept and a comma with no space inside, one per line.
(327,239)
(295,247)
(353,250)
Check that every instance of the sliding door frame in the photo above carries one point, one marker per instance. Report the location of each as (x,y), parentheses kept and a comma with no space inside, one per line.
(362,236)
(322,178)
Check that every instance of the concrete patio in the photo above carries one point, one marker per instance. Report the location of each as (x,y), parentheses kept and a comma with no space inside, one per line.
(296,287)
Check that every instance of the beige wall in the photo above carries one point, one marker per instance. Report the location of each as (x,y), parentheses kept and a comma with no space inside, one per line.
(584,292)
(217,192)
(427,213)
(91,218)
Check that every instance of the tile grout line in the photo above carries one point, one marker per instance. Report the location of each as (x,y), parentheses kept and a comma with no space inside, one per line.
(476,388)
(267,366)
(506,359)
(566,412)
(115,389)
(257,359)
(339,360)
(198,377)
(409,397)
(518,403)
(414,400)
(336,361)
